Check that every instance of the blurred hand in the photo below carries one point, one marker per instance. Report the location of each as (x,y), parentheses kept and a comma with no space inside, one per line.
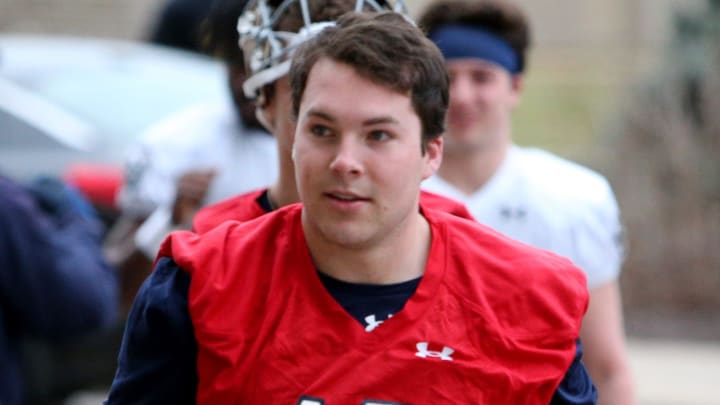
(192,187)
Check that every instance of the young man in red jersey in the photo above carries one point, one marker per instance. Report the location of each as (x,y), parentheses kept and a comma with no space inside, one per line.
(276,310)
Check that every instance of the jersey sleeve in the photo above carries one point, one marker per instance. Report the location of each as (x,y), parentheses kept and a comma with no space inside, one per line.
(598,240)
(158,354)
(576,388)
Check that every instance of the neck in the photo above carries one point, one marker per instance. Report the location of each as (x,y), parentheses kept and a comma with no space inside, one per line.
(379,262)
(470,170)
(284,191)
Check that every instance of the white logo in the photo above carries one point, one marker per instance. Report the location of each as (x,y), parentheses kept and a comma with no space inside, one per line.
(423,352)
(373,323)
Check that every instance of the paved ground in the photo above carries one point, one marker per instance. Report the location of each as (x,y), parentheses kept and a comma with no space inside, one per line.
(676,372)
(667,372)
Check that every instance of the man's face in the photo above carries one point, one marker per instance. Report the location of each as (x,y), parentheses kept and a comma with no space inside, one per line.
(482,96)
(358,158)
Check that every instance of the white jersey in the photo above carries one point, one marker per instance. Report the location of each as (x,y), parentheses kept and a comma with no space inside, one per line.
(551,203)
(201,137)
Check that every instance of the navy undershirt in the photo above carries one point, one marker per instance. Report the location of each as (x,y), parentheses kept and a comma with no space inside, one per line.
(264,201)
(361,301)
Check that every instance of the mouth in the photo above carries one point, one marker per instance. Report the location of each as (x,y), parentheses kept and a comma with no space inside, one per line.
(461,120)
(345,199)
(345,196)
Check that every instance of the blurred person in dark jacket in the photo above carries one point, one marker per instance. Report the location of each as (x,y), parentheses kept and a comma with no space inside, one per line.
(54,282)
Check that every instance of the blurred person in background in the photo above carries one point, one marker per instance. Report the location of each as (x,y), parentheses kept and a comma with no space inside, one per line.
(252,336)
(55,284)
(196,157)
(526,193)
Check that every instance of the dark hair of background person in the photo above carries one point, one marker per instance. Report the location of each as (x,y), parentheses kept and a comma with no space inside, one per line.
(399,59)
(218,30)
(219,38)
(499,17)
(178,24)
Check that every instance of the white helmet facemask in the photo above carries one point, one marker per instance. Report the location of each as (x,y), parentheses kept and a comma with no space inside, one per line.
(268,53)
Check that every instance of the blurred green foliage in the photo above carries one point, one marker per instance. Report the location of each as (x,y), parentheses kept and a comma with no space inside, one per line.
(561,109)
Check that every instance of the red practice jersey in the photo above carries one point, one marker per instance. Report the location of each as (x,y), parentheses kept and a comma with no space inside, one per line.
(493,321)
(245,207)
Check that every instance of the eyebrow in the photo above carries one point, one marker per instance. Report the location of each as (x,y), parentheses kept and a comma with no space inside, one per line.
(372,121)
(320,114)
(380,120)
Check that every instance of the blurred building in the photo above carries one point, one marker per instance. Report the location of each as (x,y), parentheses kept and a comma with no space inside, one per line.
(608,23)
(557,23)
(118,19)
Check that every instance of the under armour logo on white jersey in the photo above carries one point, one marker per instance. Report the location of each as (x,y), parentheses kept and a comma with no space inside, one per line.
(373,323)
(423,352)
(517,213)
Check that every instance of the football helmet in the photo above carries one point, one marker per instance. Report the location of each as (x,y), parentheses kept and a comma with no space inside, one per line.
(268,50)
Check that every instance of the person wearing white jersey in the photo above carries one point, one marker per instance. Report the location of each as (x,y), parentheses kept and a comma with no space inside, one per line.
(527,194)
(208,140)
(196,157)
(551,203)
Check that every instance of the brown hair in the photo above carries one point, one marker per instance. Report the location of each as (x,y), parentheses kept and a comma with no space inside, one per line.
(499,17)
(388,50)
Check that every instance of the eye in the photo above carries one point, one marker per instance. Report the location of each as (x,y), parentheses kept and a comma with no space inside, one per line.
(481,76)
(320,130)
(379,135)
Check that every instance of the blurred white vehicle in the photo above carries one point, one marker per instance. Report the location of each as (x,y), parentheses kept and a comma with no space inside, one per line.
(71,106)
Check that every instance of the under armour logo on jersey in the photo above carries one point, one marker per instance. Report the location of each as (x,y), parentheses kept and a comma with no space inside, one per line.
(373,323)
(423,352)
(513,212)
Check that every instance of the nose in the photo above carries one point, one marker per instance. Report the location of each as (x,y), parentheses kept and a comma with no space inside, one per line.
(346,159)
(460,91)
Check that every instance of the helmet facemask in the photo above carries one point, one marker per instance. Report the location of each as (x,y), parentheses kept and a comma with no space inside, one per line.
(268,50)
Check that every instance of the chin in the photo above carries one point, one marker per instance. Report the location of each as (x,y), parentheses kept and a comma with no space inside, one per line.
(461,144)
(351,237)
(462,135)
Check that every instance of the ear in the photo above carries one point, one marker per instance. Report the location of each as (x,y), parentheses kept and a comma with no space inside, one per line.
(517,84)
(433,157)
